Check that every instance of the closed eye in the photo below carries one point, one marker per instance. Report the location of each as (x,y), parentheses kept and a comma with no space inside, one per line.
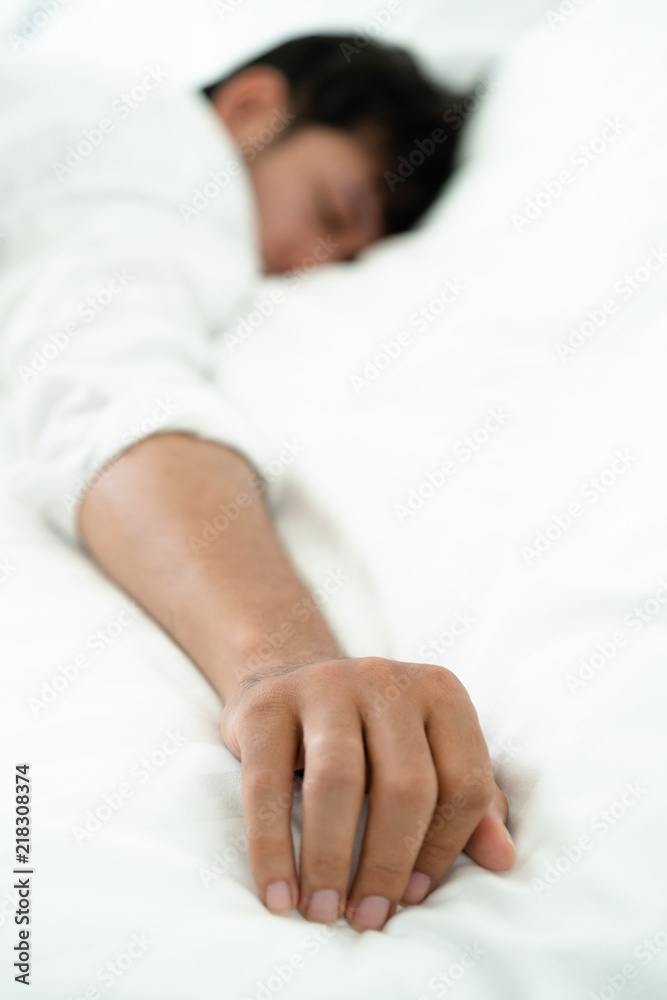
(328,214)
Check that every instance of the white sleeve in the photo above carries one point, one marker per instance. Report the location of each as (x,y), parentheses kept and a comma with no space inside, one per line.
(108,339)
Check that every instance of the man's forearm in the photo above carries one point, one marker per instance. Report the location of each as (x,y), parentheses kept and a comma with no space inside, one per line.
(218,597)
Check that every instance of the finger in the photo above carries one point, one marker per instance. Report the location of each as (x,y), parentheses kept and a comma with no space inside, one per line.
(267,775)
(332,800)
(402,796)
(491,845)
(465,790)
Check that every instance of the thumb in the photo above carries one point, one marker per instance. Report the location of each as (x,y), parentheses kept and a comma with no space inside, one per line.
(490,844)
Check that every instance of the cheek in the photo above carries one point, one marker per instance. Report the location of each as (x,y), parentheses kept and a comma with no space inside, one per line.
(276,198)
(289,222)
(290,225)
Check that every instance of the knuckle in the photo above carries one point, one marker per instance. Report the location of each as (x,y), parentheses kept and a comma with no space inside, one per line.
(333,755)
(441,850)
(444,685)
(327,862)
(256,710)
(475,789)
(382,683)
(482,797)
(412,785)
(376,668)
(332,742)
(260,743)
(333,775)
(322,670)
(373,662)
(263,698)
(259,782)
(229,734)
(378,871)
(501,801)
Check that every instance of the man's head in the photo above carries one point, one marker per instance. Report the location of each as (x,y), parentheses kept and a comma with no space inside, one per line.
(320,121)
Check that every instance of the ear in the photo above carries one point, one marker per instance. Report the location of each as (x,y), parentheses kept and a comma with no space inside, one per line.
(250,100)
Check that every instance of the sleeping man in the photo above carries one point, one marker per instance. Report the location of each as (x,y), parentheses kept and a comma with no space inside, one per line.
(135,218)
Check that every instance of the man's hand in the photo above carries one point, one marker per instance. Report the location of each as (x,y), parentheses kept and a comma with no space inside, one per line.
(406,733)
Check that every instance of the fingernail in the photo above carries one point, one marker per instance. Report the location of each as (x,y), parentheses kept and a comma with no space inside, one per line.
(416,889)
(323,906)
(279,897)
(509,840)
(371,913)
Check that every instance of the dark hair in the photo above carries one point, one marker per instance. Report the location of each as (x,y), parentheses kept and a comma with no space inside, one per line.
(348,82)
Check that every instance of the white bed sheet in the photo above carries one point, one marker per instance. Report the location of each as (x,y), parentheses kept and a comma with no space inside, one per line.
(580,750)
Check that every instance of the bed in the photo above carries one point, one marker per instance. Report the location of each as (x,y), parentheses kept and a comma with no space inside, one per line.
(471,421)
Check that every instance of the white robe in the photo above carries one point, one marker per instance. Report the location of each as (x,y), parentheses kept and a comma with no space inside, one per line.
(129,234)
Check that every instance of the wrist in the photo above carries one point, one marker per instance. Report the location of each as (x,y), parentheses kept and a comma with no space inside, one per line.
(260,664)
